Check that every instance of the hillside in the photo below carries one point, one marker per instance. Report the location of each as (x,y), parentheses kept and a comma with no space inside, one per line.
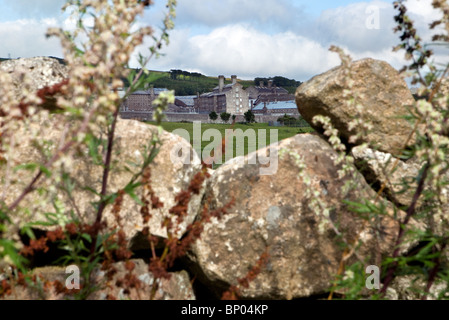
(186,83)
(191,83)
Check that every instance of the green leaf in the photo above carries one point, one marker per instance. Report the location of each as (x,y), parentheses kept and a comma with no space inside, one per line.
(74,111)
(42,223)
(52,219)
(131,76)
(86,237)
(79,52)
(357,207)
(64,260)
(4,216)
(129,189)
(68,183)
(94,144)
(131,186)
(81,246)
(10,250)
(28,231)
(136,199)
(92,190)
(109,199)
(26,166)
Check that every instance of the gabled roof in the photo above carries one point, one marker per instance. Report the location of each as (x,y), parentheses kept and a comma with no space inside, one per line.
(290,104)
(273,89)
(226,87)
(216,92)
(156,91)
(187,100)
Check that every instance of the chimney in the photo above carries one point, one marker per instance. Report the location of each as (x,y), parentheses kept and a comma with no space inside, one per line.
(220,83)
(261,84)
(234,79)
(270,84)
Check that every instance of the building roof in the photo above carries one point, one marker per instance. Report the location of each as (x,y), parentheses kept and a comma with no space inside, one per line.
(216,91)
(290,104)
(256,92)
(274,98)
(187,100)
(225,87)
(273,89)
(156,91)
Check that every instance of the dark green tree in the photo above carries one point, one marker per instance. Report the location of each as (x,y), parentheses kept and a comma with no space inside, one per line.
(225,116)
(249,116)
(213,116)
(286,119)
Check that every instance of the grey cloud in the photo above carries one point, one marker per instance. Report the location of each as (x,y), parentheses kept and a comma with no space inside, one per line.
(347,26)
(280,14)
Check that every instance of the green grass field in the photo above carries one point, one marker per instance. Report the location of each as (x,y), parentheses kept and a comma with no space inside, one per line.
(247,130)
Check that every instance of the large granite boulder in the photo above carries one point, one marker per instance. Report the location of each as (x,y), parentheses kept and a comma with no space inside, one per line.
(39,71)
(271,212)
(400,181)
(169,175)
(131,281)
(412,287)
(382,93)
(378,168)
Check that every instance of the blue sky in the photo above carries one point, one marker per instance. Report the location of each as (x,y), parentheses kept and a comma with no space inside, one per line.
(249,38)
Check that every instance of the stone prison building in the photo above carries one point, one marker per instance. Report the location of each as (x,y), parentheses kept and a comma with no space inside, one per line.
(230,98)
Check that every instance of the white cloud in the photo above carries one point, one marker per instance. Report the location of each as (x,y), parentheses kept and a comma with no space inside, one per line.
(26,38)
(395,59)
(424,9)
(247,52)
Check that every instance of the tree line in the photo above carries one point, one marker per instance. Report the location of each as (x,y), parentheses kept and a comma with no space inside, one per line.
(176,74)
(289,84)
(187,83)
